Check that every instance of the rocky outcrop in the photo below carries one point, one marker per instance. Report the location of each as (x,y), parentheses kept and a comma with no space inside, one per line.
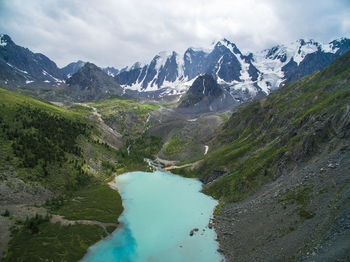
(205,95)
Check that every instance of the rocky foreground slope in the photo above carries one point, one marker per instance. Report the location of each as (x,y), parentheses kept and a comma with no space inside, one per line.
(280,168)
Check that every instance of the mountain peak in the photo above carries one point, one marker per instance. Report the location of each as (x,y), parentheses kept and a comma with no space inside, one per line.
(90,66)
(204,86)
(91,83)
(229,45)
(136,65)
(5,39)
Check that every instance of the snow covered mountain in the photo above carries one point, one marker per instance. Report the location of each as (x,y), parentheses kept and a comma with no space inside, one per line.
(243,75)
(285,63)
(19,64)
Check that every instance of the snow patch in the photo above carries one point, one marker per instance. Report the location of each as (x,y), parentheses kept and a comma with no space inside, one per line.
(55,79)
(180,66)
(206,149)
(110,73)
(24,72)
(3,42)
(161,59)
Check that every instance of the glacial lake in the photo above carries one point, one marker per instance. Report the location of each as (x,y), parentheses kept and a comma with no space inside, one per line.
(160,210)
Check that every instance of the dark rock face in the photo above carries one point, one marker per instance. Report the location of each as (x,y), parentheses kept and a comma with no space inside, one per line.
(203,87)
(224,62)
(90,83)
(151,72)
(128,77)
(8,74)
(273,54)
(343,45)
(111,71)
(213,175)
(72,68)
(205,95)
(194,63)
(311,63)
(289,69)
(20,63)
(169,71)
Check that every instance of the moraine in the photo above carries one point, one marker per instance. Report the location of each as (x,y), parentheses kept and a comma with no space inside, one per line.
(161,210)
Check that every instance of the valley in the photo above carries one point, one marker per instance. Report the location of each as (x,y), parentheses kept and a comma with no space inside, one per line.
(267,135)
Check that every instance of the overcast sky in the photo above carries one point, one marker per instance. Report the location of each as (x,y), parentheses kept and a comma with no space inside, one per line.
(120,32)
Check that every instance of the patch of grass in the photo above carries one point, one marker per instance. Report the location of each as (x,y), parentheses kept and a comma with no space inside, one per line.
(175,145)
(305,214)
(110,229)
(224,116)
(52,242)
(217,208)
(302,197)
(95,202)
(185,172)
(82,110)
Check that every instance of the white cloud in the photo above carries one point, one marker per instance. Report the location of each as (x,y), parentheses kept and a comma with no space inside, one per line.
(120,32)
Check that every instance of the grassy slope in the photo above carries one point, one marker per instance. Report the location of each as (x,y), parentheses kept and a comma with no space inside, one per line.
(53,243)
(291,124)
(95,202)
(128,117)
(39,142)
(46,145)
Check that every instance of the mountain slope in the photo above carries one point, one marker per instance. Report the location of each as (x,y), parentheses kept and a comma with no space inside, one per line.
(292,149)
(51,159)
(90,83)
(20,64)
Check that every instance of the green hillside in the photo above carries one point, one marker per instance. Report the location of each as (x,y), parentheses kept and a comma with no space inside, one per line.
(260,139)
(54,159)
(40,142)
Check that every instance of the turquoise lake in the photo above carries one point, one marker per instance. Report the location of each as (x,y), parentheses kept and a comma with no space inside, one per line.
(160,211)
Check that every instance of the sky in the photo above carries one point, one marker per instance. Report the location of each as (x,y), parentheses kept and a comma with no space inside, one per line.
(120,32)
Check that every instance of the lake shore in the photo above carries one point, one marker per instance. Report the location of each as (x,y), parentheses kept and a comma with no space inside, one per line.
(181,209)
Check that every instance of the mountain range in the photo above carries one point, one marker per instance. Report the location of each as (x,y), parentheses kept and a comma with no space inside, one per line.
(258,73)
(242,76)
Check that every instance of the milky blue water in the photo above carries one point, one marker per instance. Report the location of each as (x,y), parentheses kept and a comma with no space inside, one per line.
(160,211)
